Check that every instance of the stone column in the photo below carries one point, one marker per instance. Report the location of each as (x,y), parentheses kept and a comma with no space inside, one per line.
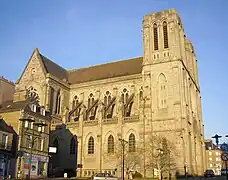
(45,169)
(47,95)
(79,155)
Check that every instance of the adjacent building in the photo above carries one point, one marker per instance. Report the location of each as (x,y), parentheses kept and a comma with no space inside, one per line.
(8,139)
(213,157)
(7,89)
(156,94)
(31,122)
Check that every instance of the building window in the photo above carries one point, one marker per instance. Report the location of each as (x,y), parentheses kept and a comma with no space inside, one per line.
(210,159)
(91,145)
(40,144)
(125,96)
(110,144)
(4,140)
(165,35)
(29,141)
(90,100)
(131,143)
(217,159)
(73,146)
(58,103)
(32,95)
(217,154)
(211,165)
(75,108)
(155,29)
(210,153)
(33,107)
(107,98)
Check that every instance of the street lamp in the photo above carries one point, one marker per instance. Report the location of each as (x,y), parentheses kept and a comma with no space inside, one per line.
(39,125)
(123,144)
(160,152)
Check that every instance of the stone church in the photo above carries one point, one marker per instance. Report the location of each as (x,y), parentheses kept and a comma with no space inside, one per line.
(131,99)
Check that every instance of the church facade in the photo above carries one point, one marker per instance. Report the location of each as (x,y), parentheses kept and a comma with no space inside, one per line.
(132,99)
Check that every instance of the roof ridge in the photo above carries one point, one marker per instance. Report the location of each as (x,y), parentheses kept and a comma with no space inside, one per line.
(121,60)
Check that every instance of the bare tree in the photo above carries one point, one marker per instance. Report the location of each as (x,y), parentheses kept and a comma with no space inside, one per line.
(131,159)
(160,154)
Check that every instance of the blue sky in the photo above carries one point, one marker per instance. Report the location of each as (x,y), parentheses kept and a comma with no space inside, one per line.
(78,33)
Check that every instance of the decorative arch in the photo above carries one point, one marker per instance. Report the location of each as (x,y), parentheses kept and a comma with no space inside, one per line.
(165,34)
(109,105)
(155,32)
(162,91)
(92,107)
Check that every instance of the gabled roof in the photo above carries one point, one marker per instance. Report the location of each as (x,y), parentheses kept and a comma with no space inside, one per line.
(54,68)
(97,72)
(104,71)
(5,127)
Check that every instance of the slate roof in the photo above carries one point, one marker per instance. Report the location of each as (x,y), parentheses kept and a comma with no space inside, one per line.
(13,106)
(54,68)
(5,127)
(97,72)
(104,71)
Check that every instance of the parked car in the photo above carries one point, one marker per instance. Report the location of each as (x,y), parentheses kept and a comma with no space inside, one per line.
(104,176)
(209,173)
(223,171)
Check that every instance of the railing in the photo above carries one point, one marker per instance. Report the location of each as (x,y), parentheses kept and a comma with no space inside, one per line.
(113,120)
(91,122)
(131,118)
(72,124)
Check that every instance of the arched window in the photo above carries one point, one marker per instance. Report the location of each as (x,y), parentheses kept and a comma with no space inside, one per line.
(58,103)
(56,144)
(155,29)
(110,144)
(162,91)
(125,95)
(165,35)
(75,102)
(107,98)
(90,100)
(131,143)
(91,145)
(73,145)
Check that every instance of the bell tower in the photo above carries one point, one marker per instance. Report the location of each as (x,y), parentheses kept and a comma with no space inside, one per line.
(163,37)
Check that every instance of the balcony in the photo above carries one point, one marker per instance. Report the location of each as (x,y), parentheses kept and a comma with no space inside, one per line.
(131,119)
(113,120)
(90,122)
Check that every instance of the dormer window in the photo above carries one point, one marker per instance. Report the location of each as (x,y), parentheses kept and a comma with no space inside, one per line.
(33,107)
(42,111)
(26,124)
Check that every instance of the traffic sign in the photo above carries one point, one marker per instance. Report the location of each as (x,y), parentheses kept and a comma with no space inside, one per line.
(224,147)
(224,156)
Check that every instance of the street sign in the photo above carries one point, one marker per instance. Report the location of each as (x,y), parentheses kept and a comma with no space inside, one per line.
(224,147)
(224,156)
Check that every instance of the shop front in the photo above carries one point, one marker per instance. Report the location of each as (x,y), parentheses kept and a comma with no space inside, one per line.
(39,165)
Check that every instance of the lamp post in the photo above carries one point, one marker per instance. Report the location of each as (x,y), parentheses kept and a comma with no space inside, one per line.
(160,152)
(123,144)
(39,125)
